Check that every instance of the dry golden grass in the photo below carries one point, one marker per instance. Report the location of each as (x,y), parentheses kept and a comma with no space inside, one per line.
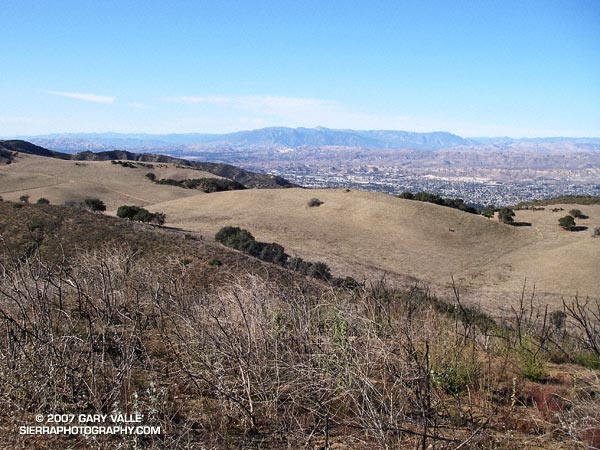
(60,181)
(367,235)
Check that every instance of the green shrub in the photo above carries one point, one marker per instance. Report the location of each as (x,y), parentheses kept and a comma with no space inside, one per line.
(34,225)
(567,222)
(455,203)
(206,185)
(314,202)
(456,377)
(532,364)
(140,214)
(24,199)
(274,253)
(238,239)
(577,214)
(243,240)
(43,201)
(588,360)
(128,212)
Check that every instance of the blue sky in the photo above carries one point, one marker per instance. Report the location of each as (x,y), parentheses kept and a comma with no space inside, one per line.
(475,68)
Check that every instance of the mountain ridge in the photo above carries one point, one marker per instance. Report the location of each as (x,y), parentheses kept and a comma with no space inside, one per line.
(284,137)
(271,136)
(245,177)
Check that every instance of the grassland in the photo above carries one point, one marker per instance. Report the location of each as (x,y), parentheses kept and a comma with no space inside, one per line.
(364,235)
(369,235)
(60,181)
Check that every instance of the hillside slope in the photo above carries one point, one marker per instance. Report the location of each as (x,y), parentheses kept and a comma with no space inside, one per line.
(60,181)
(365,235)
(375,235)
(247,178)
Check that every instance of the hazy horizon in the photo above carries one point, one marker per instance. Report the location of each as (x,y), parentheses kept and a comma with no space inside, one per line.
(116,133)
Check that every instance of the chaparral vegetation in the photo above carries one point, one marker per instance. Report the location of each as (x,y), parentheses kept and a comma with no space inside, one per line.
(242,353)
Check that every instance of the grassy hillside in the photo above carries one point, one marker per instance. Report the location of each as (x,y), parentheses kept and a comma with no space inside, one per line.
(372,235)
(59,181)
(30,149)
(245,177)
(364,235)
(222,351)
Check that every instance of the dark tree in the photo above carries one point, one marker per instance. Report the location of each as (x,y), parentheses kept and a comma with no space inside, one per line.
(159,218)
(576,213)
(43,201)
(506,215)
(140,214)
(567,222)
(488,211)
(239,239)
(94,204)
(274,253)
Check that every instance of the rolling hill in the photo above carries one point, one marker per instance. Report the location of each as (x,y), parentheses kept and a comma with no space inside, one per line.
(365,235)
(248,178)
(370,235)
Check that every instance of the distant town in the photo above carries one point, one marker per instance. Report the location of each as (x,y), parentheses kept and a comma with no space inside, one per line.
(477,192)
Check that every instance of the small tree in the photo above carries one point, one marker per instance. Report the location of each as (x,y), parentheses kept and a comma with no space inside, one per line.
(43,201)
(94,204)
(506,215)
(567,222)
(273,253)
(158,218)
(127,211)
(24,198)
(577,214)
(151,176)
(488,211)
(319,270)
(314,202)
(239,239)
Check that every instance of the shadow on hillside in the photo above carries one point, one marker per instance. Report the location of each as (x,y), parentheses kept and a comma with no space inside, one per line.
(578,228)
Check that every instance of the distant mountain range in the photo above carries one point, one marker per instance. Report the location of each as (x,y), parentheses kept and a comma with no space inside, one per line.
(280,137)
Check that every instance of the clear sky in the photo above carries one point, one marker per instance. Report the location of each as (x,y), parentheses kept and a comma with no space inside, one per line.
(476,68)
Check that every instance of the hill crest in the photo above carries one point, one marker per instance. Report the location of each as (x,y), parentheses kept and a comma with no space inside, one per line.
(245,177)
